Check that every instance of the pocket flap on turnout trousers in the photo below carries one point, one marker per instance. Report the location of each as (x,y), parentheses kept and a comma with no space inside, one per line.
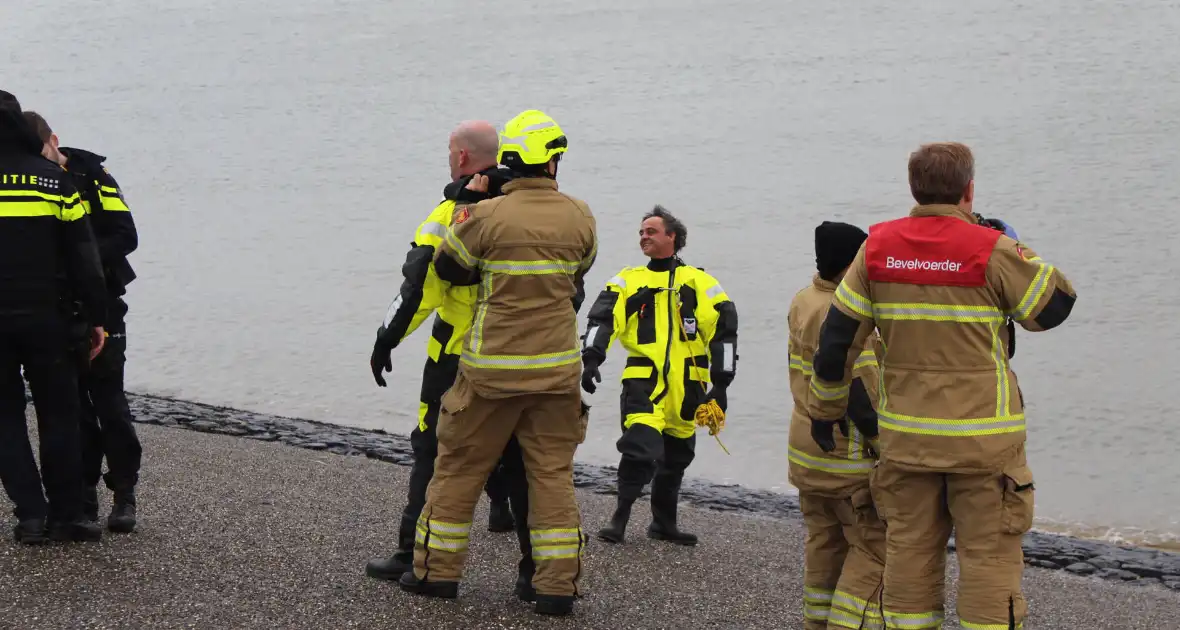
(458,397)
(1019,478)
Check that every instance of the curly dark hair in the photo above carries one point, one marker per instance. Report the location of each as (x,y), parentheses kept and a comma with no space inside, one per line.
(672,225)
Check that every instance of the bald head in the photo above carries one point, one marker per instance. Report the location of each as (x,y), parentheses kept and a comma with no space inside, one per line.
(473,147)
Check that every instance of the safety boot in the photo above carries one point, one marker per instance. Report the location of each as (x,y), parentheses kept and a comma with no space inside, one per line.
(90,503)
(613,533)
(411,584)
(500,517)
(392,568)
(524,580)
(665,493)
(554,604)
(122,517)
(78,530)
(30,531)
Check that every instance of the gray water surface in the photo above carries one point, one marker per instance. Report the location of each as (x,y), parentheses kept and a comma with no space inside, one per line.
(278,155)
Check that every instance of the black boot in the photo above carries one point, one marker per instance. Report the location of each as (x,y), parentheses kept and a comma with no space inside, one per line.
(500,517)
(411,584)
(554,604)
(613,533)
(90,503)
(78,530)
(392,568)
(524,580)
(122,517)
(665,492)
(30,531)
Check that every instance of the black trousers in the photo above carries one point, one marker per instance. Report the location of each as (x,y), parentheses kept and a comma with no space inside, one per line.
(503,484)
(107,426)
(41,345)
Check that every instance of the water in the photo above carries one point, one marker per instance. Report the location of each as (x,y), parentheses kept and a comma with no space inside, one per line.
(278,155)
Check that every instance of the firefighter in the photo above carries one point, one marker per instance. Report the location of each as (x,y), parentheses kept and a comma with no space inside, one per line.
(845,551)
(107,427)
(472,149)
(527,251)
(939,287)
(679,328)
(48,259)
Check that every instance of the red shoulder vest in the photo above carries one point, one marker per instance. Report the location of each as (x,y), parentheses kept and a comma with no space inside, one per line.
(929,251)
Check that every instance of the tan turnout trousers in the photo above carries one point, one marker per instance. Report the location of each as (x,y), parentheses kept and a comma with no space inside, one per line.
(472,433)
(845,556)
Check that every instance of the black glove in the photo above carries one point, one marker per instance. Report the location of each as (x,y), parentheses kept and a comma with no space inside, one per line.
(821,432)
(380,361)
(718,394)
(590,374)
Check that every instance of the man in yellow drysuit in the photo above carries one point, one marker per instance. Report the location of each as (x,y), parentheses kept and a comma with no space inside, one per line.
(845,552)
(527,251)
(940,288)
(679,328)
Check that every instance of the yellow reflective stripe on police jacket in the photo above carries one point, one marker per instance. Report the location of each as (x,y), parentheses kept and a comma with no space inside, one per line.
(111,200)
(556,544)
(441,535)
(34,203)
(828,464)
(1036,289)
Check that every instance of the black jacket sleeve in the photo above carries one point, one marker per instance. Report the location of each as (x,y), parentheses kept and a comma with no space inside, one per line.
(83,265)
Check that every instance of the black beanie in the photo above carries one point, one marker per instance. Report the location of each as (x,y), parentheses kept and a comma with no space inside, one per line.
(836,245)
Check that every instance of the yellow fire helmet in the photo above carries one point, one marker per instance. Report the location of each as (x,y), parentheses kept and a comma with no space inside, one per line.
(531,138)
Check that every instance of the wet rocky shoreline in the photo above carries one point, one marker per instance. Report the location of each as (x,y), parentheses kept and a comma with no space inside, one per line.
(1120,563)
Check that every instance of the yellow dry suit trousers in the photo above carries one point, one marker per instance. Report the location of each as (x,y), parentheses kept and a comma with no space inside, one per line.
(844,561)
(472,433)
(990,512)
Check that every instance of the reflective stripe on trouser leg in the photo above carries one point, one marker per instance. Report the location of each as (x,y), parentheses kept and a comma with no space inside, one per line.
(549,431)
(993,512)
(472,433)
(855,604)
(824,553)
(918,526)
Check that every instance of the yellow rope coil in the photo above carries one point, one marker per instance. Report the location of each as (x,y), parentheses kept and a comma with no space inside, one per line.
(711,415)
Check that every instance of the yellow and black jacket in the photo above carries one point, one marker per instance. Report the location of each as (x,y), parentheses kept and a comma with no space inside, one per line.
(48,254)
(679,327)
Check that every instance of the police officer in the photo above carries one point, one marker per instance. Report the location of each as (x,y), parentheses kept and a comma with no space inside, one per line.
(473,150)
(679,328)
(940,288)
(527,251)
(107,425)
(844,557)
(48,258)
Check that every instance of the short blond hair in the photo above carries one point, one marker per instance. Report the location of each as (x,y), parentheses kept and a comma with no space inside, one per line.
(940,172)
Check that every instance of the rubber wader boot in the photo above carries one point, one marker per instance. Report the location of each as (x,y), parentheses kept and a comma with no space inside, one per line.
(613,533)
(411,584)
(665,492)
(554,604)
(122,517)
(500,517)
(401,561)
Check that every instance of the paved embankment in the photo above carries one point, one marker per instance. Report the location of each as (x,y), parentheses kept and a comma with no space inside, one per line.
(248,534)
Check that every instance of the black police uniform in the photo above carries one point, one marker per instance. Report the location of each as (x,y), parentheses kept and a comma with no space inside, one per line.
(48,259)
(107,424)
